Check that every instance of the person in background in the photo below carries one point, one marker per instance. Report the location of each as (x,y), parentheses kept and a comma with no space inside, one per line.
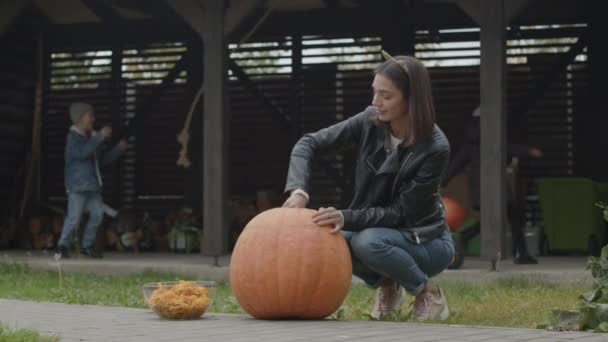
(85,151)
(468,158)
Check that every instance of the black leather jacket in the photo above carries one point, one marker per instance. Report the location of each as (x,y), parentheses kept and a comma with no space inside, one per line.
(394,188)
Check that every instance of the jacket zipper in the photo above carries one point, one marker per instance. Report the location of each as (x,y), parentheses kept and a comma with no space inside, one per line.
(395,184)
(401,169)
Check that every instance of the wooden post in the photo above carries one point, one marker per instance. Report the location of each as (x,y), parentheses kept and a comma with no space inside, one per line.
(493,129)
(9,10)
(215,124)
(590,120)
(116,119)
(295,84)
(212,21)
(399,31)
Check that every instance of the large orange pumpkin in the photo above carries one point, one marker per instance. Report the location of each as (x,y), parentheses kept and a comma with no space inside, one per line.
(285,266)
(454,213)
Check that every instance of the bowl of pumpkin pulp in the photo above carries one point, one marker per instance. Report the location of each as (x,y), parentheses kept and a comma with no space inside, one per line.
(179,299)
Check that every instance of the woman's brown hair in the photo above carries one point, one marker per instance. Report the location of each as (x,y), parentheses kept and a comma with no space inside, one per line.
(412,78)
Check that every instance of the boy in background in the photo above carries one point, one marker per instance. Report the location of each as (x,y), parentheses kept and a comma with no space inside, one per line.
(84,152)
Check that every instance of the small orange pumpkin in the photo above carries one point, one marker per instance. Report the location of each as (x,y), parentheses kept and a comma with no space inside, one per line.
(454,213)
(285,266)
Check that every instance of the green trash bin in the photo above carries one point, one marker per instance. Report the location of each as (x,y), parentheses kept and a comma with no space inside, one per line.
(602,191)
(572,221)
(463,247)
(472,247)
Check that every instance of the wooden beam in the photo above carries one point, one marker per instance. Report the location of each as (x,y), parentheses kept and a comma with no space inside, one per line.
(545,81)
(117,95)
(215,130)
(242,15)
(295,85)
(332,5)
(358,21)
(9,10)
(493,130)
(320,21)
(158,9)
(399,27)
(238,13)
(103,10)
(472,7)
(191,11)
(136,31)
(153,99)
(589,119)
(258,94)
(287,122)
(513,8)
(149,7)
(552,12)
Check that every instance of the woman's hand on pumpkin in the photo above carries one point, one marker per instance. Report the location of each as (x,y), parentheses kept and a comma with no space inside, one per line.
(329,217)
(296,200)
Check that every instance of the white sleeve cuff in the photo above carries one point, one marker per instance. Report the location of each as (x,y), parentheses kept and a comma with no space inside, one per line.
(342,216)
(301,192)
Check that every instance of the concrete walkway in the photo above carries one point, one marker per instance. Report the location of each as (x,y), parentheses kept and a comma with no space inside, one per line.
(108,324)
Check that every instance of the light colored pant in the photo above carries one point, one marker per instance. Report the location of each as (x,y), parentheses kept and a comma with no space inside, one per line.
(386,252)
(77,202)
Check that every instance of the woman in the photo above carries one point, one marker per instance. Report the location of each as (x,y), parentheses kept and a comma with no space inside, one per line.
(395,225)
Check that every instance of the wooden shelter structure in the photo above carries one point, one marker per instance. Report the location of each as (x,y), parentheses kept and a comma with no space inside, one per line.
(273,70)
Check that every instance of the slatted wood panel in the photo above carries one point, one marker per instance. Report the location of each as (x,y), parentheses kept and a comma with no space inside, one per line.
(306,83)
(120,82)
(549,122)
(261,132)
(18,49)
(322,85)
(152,181)
(344,67)
(452,57)
(336,72)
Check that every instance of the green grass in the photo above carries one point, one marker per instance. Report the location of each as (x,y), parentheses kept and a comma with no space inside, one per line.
(507,302)
(21,282)
(24,335)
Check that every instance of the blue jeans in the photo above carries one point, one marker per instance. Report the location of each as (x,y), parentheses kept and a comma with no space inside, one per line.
(77,202)
(386,253)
